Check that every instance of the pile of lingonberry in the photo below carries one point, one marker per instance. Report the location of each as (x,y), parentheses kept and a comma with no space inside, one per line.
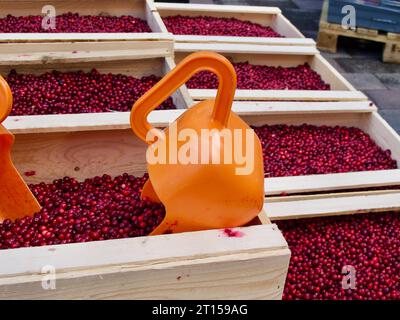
(307,149)
(365,247)
(73,22)
(97,209)
(253,77)
(77,92)
(212,26)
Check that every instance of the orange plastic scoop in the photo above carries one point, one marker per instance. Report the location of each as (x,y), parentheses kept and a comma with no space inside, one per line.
(198,191)
(16,200)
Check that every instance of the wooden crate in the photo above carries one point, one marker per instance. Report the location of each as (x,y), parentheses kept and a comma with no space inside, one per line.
(40,141)
(341,89)
(267,16)
(370,122)
(137,8)
(196,265)
(140,58)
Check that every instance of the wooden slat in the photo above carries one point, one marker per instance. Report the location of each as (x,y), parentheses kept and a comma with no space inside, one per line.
(205,264)
(244,40)
(23,54)
(287,29)
(142,250)
(330,195)
(160,118)
(332,182)
(154,19)
(239,48)
(281,107)
(69,37)
(329,74)
(365,34)
(382,133)
(332,206)
(84,122)
(208,8)
(288,95)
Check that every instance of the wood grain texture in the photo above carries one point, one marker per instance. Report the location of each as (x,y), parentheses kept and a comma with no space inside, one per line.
(301,107)
(79,154)
(331,182)
(382,133)
(28,38)
(240,49)
(160,118)
(283,95)
(339,204)
(196,265)
(84,122)
(182,39)
(74,52)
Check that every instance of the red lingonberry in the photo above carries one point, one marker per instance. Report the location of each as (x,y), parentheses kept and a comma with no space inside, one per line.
(307,149)
(73,22)
(95,209)
(369,245)
(77,92)
(260,77)
(213,26)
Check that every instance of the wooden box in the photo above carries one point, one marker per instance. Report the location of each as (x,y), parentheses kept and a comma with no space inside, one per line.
(137,8)
(267,16)
(341,89)
(333,204)
(194,265)
(140,58)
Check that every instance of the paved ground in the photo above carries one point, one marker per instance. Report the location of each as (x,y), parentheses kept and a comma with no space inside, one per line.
(359,62)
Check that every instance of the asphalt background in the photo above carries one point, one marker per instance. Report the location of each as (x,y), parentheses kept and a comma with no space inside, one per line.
(360,62)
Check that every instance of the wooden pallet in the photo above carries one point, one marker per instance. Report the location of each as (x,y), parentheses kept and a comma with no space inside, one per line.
(328,36)
(329,32)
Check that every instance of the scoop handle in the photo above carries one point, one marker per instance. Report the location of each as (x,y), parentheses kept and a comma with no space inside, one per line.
(203,60)
(6,99)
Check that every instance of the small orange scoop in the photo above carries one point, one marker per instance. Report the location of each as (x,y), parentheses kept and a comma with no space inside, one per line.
(16,200)
(198,191)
